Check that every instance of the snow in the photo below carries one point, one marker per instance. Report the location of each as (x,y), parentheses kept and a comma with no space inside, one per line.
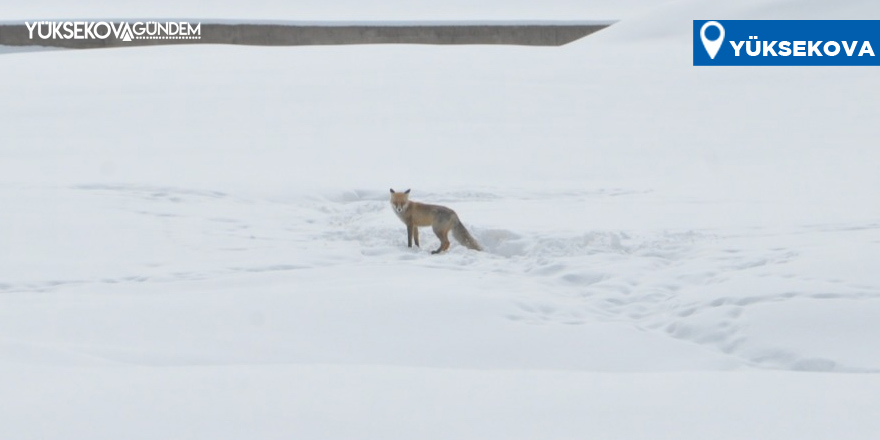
(346,10)
(196,242)
(332,401)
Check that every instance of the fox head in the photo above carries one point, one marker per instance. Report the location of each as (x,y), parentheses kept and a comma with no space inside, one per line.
(399,200)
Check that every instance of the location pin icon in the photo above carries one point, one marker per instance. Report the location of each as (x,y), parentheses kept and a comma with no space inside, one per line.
(712,46)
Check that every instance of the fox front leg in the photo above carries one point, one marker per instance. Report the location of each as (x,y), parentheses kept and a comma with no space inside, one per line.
(416,235)
(409,235)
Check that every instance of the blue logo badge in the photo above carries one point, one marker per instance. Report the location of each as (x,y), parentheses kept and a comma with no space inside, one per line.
(786,42)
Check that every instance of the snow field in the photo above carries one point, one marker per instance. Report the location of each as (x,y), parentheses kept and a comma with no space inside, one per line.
(196,242)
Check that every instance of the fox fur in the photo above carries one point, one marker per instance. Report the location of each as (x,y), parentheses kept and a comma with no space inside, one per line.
(440,218)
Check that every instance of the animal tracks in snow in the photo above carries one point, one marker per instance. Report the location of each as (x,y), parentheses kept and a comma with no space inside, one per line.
(696,285)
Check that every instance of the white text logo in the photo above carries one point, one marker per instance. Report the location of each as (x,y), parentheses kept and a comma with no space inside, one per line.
(90,30)
(754,47)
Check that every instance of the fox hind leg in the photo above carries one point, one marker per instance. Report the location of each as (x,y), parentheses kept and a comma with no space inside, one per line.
(443,235)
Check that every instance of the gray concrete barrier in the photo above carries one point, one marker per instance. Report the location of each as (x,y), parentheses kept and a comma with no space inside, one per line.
(523,34)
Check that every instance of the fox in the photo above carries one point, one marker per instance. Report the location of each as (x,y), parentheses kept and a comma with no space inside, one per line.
(439,218)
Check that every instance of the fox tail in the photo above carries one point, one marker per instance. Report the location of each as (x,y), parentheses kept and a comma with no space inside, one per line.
(464,237)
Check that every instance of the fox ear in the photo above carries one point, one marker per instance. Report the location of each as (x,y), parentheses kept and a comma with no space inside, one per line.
(392,190)
(406,192)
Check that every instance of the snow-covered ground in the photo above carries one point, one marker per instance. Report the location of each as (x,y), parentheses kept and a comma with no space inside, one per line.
(195,242)
(357,10)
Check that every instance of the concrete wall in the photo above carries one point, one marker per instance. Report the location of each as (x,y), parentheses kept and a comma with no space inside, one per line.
(305,35)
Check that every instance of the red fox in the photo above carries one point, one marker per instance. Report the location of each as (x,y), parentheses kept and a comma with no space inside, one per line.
(440,218)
